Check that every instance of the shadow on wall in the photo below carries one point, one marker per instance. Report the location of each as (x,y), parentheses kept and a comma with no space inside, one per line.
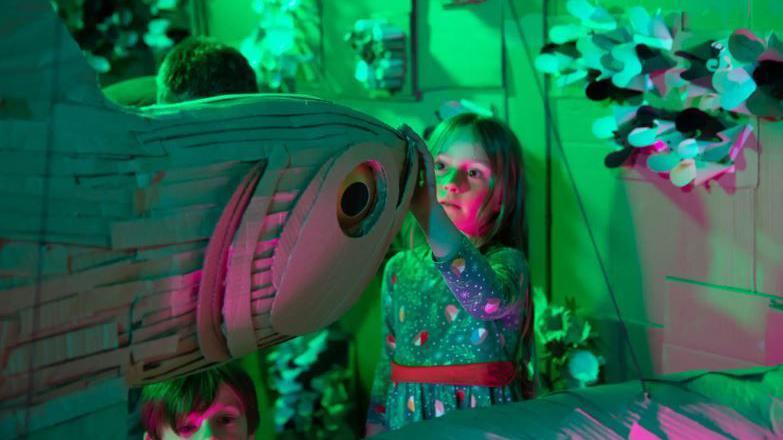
(576,271)
(626,275)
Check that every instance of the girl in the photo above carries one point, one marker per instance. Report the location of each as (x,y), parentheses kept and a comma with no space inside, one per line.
(455,310)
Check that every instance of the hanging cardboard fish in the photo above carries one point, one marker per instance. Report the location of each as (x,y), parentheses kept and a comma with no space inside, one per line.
(142,245)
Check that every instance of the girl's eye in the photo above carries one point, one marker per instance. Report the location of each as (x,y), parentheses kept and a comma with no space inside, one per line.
(438,165)
(226,420)
(474,173)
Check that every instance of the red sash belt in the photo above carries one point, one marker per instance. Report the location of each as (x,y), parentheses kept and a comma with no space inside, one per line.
(486,374)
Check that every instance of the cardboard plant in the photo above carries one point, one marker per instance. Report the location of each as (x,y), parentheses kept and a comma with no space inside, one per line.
(140,245)
(570,345)
(380,50)
(649,65)
(690,147)
(282,47)
(116,32)
(314,380)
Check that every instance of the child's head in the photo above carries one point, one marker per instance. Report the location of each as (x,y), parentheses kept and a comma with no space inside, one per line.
(217,403)
(478,171)
(199,68)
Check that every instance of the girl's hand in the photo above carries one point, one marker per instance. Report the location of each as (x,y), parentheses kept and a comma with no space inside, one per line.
(424,198)
(442,236)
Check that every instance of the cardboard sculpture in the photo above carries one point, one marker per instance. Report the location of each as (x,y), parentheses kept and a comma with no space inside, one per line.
(144,245)
(380,48)
(670,87)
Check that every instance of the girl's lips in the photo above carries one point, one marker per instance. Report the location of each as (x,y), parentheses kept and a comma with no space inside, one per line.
(449,204)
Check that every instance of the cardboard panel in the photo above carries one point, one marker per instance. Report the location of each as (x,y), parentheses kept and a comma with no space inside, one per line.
(769,219)
(610,213)
(717,320)
(340,59)
(677,358)
(698,234)
(460,46)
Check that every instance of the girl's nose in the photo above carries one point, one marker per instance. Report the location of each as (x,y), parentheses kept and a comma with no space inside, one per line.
(453,182)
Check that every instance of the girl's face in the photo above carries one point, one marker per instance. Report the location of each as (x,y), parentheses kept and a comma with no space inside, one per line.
(464,181)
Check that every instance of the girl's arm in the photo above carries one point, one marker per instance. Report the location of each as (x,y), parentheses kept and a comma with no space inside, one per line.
(488,287)
(376,413)
(441,234)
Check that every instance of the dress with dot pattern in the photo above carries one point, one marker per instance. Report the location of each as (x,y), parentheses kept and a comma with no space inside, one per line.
(465,308)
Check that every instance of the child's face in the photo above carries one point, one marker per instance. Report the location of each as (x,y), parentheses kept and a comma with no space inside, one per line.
(464,181)
(224,419)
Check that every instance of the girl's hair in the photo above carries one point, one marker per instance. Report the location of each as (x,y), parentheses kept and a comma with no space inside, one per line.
(509,226)
(163,402)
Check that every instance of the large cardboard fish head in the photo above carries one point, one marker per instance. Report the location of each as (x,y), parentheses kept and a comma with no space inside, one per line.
(148,244)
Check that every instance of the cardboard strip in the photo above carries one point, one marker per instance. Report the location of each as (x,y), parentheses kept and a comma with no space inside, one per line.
(183,323)
(187,174)
(67,316)
(240,337)
(262,306)
(154,349)
(69,207)
(63,347)
(264,292)
(194,192)
(327,133)
(164,370)
(265,249)
(51,393)
(214,286)
(23,163)
(61,373)
(122,275)
(74,405)
(272,226)
(192,224)
(98,257)
(261,279)
(176,301)
(261,264)
(284,116)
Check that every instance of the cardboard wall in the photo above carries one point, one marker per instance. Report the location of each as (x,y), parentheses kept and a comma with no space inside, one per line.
(696,273)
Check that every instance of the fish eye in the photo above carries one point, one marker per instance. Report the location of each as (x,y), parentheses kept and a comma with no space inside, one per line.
(357,198)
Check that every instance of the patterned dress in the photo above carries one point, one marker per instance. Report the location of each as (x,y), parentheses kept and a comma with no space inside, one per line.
(463,309)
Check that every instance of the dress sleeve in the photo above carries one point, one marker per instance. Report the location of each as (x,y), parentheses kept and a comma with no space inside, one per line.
(488,287)
(376,413)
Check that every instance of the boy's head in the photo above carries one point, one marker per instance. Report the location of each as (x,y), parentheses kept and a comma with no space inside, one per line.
(219,403)
(199,68)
